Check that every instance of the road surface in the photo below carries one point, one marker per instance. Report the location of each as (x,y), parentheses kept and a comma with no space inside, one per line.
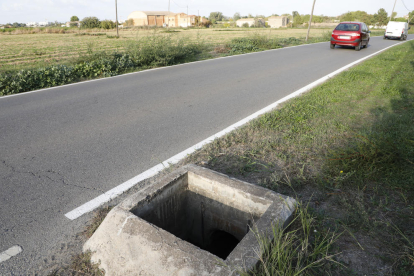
(64,146)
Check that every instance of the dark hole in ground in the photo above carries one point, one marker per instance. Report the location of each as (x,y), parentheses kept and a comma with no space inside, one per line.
(202,221)
(221,244)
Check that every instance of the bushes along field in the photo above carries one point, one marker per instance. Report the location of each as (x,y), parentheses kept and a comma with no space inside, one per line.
(144,53)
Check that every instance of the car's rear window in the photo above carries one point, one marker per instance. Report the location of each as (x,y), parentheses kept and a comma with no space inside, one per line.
(347,27)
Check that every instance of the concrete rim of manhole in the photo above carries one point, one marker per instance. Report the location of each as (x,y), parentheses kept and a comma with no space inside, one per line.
(194,221)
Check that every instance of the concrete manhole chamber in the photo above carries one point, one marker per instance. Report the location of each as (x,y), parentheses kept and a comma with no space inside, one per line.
(193,222)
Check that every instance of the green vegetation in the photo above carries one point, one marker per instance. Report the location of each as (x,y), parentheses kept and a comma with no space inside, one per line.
(90,23)
(301,249)
(347,148)
(143,53)
(74,18)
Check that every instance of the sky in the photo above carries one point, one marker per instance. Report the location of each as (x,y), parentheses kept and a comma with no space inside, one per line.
(24,11)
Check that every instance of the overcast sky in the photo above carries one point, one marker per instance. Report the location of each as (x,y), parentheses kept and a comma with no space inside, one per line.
(61,10)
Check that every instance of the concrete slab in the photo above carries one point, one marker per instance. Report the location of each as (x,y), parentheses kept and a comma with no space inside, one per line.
(193,222)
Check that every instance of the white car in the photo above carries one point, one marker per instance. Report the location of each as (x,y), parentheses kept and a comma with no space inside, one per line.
(397,30)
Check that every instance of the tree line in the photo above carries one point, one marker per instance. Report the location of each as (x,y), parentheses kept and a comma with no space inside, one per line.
(92,22)
(380,18)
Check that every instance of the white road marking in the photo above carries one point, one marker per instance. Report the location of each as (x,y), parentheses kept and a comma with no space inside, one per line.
(9,253)
(100,200)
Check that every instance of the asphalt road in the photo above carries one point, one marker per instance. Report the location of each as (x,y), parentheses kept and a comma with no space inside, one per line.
(64,146)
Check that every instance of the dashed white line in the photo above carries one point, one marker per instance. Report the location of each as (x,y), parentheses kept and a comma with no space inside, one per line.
(100,200)
(9,253)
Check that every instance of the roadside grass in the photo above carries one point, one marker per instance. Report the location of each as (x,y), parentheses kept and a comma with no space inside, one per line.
(301,249)
(347,147)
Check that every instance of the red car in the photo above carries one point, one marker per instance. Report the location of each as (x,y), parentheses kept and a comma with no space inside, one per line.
(354,34)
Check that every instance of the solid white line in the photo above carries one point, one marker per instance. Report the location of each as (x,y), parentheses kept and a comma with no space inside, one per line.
(98,201)
(9,253)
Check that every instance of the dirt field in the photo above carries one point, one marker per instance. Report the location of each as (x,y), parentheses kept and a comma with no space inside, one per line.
(19,51)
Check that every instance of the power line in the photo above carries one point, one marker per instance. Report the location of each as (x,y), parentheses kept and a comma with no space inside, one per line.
(405,6)
(177,5)
(191,10)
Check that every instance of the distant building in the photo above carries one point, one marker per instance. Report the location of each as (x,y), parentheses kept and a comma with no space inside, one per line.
(32,24)
(250,21)
(148,18)
(278,21)
(45,24)
(180,20)
(69,23)
(162,18)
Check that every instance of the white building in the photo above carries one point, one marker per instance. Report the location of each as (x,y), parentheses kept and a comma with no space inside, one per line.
(250,21)
(278,21)
(32,24)
(44,24)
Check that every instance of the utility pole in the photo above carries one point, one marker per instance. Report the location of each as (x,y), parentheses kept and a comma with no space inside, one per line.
(187,16)
(169,19)
(116,11)
(393,9)
(310,19)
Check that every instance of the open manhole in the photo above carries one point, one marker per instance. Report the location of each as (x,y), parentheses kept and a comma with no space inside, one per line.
(191,222)
(205,219)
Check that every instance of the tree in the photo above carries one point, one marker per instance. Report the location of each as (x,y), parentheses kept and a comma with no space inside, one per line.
(297,19)
(216,16)
(236,16)
(381,17)
(361,16)
(74,18)
(400,19)
(107,24)
(129,23)
(258,23)
(90,22)
(205,24)
(411,17)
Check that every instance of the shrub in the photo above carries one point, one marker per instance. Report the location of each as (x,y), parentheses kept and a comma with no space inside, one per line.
(90,22)
(108,24)
(245,25)
(253,44)
(129,23)
(206,24)
(147,52)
